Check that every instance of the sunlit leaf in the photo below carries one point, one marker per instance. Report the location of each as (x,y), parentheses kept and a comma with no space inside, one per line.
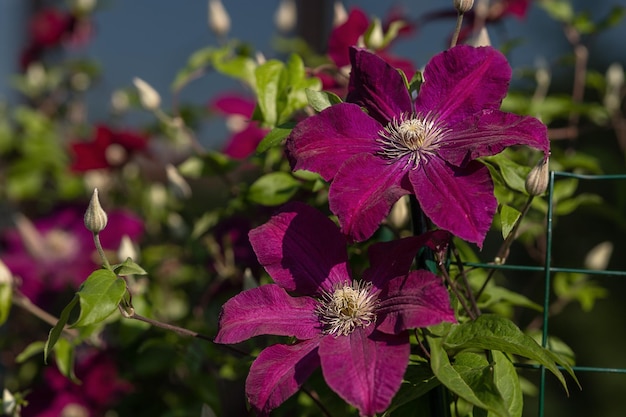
(99,297)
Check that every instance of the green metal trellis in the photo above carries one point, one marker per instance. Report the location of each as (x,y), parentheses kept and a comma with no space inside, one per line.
(549,269)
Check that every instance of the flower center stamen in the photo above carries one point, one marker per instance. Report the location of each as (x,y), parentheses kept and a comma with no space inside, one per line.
(348,306)
(411,137)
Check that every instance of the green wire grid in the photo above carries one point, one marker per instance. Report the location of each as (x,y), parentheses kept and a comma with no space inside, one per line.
(548,270)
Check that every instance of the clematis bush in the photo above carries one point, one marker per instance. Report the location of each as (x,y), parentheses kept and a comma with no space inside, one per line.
(340,234)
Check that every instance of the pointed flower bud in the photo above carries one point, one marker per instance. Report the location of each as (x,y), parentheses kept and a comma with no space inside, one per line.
(463,6)
(219,21)
(95,217)
(150,99)
(340,15)
(375,38)
(286,16)
(537,180)
(5,275)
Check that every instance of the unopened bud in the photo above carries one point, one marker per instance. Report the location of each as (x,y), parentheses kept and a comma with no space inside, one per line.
(219,21)
(340,15)
(6,278)
(537,180)
(375,38)
(463,6)
(150,99)
(481,39)
(126,249)
(95,217)
(177,183)
(614,85)
(286,15)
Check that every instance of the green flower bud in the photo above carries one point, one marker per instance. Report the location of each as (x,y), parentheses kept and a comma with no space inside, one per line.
(95,217)
(150,99)
(537,180)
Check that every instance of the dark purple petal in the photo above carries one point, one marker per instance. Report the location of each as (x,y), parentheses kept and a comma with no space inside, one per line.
(302,250)
(267,309)
(459,200)
(377,86)
(278,372)
(490,132)
(392,259)
(463,81)
(363,192)
(365,368)
(416,300)
(322,143)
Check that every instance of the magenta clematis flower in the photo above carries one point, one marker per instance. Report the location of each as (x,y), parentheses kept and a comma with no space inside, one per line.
(57,252)
(427,147)
(355,329)
(246,133)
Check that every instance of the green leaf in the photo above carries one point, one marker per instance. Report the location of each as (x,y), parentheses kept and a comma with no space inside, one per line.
(508,383)
(275,137)
(64,357)
(6,296)
(99,296)
(273,189)
(498,333)
(418,380)
(471,378)
(514,174)
(560,10)
(268,86)
(128,267)
(508,219)
(55,332)
(320,100)
(29,351)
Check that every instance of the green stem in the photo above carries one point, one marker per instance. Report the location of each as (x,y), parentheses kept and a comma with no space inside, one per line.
(105,261)
(457,30)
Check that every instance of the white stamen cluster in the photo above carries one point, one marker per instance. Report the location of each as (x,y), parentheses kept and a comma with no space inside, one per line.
(348,306)
(412,137)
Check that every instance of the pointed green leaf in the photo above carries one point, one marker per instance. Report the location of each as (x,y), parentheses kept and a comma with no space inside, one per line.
(320,100)
(418,380)
(128,267)
(508,218)
(471,378)
(55,332)
(508,383)
(64,357)
(275,137)
(268,85)
(30,350)
(273,189)
(6,295)
(493,332)
(99,296)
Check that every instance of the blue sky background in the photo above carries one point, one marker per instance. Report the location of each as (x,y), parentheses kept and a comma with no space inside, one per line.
(152,39)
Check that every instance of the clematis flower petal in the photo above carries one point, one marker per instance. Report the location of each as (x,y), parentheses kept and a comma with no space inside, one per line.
(267,309)
(462,81)
(323,142)
(365,368)
(278,372)
(393,259)
(416,300)
(345,35)
(363,192)
(459,200)
(301,249)
(377,86)
(490,132)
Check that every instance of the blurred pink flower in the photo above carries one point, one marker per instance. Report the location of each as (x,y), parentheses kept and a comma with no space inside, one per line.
(246,133)
(57,252)
(100,388)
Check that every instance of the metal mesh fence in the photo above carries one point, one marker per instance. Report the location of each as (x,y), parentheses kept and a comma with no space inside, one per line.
(549,270)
